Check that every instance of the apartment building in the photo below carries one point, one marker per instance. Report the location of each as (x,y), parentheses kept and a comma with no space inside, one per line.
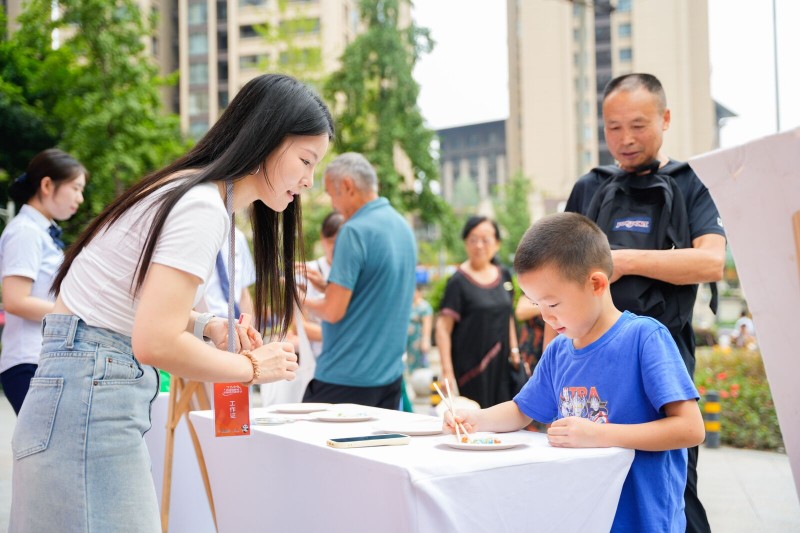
(219,45)
(562,53)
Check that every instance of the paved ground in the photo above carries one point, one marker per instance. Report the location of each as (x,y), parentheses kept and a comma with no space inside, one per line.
(744,491)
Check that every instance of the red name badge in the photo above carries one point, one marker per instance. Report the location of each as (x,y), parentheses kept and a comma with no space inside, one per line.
(231,409)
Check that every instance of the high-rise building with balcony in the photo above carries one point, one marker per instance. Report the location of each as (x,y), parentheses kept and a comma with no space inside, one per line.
(219,45)
(562,53)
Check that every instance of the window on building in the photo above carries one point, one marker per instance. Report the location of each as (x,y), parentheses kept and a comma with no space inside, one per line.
(247,31)
(602,34)
(198,103)
(198,129)
(624,30)
(222,71)
(625,54)
(302,26)
(222,10)
(198,73)
(301,56)
(198,44)
(623,6)
(223,99)
(252,61)
(245,3)
(198,13)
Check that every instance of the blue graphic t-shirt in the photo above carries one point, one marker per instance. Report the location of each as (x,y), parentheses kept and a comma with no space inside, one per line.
(624,377)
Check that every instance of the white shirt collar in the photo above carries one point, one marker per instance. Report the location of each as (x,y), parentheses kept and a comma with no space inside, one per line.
(33,214)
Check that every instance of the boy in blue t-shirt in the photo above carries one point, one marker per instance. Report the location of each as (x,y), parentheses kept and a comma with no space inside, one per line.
(608,379)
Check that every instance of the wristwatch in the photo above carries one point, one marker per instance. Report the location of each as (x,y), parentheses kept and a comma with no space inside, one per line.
(200,325)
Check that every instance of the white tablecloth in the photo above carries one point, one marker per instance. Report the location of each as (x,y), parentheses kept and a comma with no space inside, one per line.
(285,479)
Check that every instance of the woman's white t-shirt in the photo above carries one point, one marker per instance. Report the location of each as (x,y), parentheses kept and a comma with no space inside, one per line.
(98,286)
(27,250)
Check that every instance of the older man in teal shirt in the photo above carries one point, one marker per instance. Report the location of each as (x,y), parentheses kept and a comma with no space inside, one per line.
(368,298)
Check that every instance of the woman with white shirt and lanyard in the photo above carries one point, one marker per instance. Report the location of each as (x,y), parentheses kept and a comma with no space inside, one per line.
(30,253)
(126,293)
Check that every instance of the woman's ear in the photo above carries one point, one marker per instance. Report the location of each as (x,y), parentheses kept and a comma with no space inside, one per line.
(47,186)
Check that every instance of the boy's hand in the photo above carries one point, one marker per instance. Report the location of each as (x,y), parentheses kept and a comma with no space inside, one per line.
(467,419)
(574,432)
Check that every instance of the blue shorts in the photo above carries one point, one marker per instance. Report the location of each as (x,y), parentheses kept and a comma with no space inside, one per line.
(80,460)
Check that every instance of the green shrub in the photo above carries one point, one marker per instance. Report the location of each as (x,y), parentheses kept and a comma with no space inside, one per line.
(748,415)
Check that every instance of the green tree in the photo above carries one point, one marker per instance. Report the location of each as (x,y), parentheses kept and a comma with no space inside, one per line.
(465,195)
(375,104)
(26,128)
(293,55)
(512,212)
(108,108)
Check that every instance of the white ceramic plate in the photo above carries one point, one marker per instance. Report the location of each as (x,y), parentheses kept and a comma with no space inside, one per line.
(299,408)
(343,416)
(505,442)
(411,427)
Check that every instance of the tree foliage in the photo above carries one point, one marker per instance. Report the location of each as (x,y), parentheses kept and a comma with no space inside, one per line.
(375,104)
(97,90)
(513,215)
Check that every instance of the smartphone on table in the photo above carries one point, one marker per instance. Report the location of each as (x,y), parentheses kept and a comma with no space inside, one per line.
(391,439)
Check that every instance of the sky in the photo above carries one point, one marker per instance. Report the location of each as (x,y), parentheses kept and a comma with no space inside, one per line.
(465,79)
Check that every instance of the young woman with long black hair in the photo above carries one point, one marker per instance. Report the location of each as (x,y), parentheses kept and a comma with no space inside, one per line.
(125,296)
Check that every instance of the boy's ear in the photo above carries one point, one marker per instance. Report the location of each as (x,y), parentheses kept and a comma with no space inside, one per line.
(599,282)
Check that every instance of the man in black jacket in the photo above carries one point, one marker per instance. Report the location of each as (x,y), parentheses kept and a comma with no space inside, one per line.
(635,116)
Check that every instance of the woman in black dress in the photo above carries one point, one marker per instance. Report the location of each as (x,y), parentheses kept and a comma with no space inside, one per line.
(475,331)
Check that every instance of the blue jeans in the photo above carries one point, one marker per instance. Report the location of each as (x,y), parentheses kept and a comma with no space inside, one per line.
(80,460)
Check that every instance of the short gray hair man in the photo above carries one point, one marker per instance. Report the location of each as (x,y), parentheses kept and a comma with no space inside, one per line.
(356,167)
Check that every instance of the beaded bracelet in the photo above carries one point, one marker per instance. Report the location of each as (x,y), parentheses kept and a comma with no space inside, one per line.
(256,368)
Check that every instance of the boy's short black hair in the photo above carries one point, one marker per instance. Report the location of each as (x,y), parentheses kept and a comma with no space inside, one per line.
(567,241)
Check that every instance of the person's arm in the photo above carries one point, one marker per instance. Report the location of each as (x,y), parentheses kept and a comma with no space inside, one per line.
(682,427)
(313,330)
(160,337)
(502,417)
(526,309)
(18,301)
(444,342)
(548,336)
(703,262)
(513,356)
(316,279)
(427,330)
(333,307)
(246,303)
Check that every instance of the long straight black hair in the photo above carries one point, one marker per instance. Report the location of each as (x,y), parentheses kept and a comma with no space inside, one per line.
(263,113)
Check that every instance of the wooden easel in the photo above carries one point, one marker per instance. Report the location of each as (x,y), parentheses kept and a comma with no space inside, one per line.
(182,392)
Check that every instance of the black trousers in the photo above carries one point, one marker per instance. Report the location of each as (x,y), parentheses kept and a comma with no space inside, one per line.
(696,519)
(386,396)
(16,381)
